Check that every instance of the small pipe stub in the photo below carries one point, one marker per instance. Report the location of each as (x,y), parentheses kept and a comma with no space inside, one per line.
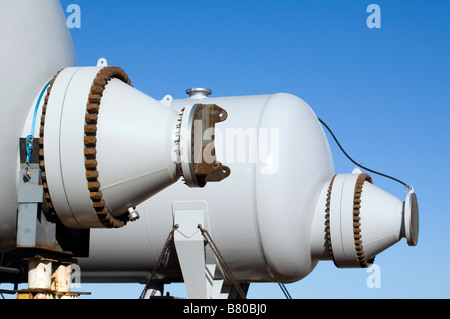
(133,215)
(198,93)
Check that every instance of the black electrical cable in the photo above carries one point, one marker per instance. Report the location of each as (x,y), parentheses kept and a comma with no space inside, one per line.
(357,164)
(285,291)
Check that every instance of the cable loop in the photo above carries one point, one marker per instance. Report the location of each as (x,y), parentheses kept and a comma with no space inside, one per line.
(359,165)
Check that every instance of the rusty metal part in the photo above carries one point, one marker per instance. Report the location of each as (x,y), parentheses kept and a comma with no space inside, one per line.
(49,213)
(206,168)
(90,130)
(357,236)
(327,217)
(49,276)
(363,261)
(61,278)
(42,293)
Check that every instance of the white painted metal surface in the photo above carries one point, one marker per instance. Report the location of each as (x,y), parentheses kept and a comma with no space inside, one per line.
(411,218)
(135,140)
(260,216)
(384,221)
(341,220)
(29,57)
(190,246)
(267,218)
(40,274)
(134,146)
(64,148)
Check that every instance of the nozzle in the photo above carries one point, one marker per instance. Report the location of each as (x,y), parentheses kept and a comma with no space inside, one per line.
(363,220)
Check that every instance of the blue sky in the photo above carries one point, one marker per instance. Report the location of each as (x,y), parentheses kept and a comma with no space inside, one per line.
(385,92)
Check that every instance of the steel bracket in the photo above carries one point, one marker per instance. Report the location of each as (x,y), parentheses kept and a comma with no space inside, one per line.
(31,228)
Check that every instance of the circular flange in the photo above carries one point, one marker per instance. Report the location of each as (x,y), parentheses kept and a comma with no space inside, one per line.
(343,221)
(90,129)
(186,146)
(54,149)
(411,219)
(363,261)
(49,213)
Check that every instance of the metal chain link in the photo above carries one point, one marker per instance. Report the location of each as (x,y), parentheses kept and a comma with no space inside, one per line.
(160,259)
(224,265)
(214,249)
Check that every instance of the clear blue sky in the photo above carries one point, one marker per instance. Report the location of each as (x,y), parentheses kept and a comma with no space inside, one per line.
(385,93)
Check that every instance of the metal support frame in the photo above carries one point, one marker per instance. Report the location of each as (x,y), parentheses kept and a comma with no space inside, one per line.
(32,230)
(48,279)
(190,246)
(202,277)
(48,264)
(154,290)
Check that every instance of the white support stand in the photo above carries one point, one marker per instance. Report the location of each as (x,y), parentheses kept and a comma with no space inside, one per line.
(214,286)
(190,246)
(202,280)
(154,290)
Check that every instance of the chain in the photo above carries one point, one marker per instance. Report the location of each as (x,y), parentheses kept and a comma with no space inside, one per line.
(214,249)
(224,265)
(160,259)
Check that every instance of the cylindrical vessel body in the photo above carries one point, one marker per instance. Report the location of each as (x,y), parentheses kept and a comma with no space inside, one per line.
(39,47)
(260,216)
